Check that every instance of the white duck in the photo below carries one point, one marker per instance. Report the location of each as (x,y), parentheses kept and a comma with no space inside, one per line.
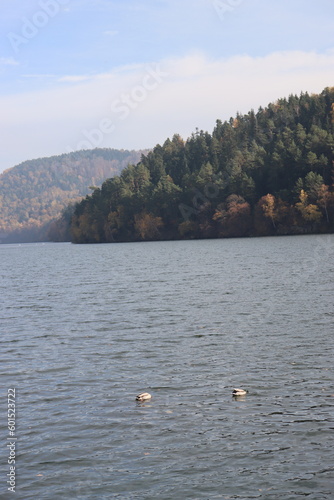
(144,396)
(239,392)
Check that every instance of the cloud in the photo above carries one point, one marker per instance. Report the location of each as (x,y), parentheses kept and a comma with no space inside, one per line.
(141,105)
(35,75)
(111,32)
(74,78)
(8,61)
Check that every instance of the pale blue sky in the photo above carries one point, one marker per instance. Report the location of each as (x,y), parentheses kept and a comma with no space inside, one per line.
(128,74)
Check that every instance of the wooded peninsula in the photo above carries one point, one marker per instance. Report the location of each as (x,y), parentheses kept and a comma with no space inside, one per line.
(264,173)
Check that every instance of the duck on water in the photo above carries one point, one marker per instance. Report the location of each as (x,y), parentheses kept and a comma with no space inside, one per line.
(143,396)
(239,392)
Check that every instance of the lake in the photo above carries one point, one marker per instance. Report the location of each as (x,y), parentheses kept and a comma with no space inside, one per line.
(84,329)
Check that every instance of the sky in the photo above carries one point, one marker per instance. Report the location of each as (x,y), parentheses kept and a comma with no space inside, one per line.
(128,74)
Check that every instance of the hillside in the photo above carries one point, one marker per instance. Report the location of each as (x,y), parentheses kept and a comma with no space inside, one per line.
(36,192)
(264,173)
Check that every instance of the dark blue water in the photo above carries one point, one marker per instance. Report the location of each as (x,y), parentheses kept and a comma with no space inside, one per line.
(86,328)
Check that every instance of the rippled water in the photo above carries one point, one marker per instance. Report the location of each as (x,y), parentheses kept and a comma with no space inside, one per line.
(86,328)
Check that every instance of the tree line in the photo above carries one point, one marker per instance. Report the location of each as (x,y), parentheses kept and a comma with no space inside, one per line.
(268,172)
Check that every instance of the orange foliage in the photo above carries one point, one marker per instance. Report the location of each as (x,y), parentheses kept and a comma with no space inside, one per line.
(147,226)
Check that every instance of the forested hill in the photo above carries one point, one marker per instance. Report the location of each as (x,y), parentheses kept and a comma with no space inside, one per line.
(35,192)
(266,172)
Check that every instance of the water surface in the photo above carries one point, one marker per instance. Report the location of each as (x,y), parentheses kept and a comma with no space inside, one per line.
(85,328)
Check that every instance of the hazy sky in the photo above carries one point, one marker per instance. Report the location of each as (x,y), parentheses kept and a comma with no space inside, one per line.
(79,74)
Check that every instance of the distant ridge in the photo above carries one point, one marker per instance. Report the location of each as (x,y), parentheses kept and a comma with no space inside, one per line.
(35,192)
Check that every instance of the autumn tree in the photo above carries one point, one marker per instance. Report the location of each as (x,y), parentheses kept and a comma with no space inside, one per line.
(325,200)
(233,217)
(269,208)
(147,226)
(309,212)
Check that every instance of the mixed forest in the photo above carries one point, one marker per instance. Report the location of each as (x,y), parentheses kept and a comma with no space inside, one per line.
(36,192)
(268,172)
